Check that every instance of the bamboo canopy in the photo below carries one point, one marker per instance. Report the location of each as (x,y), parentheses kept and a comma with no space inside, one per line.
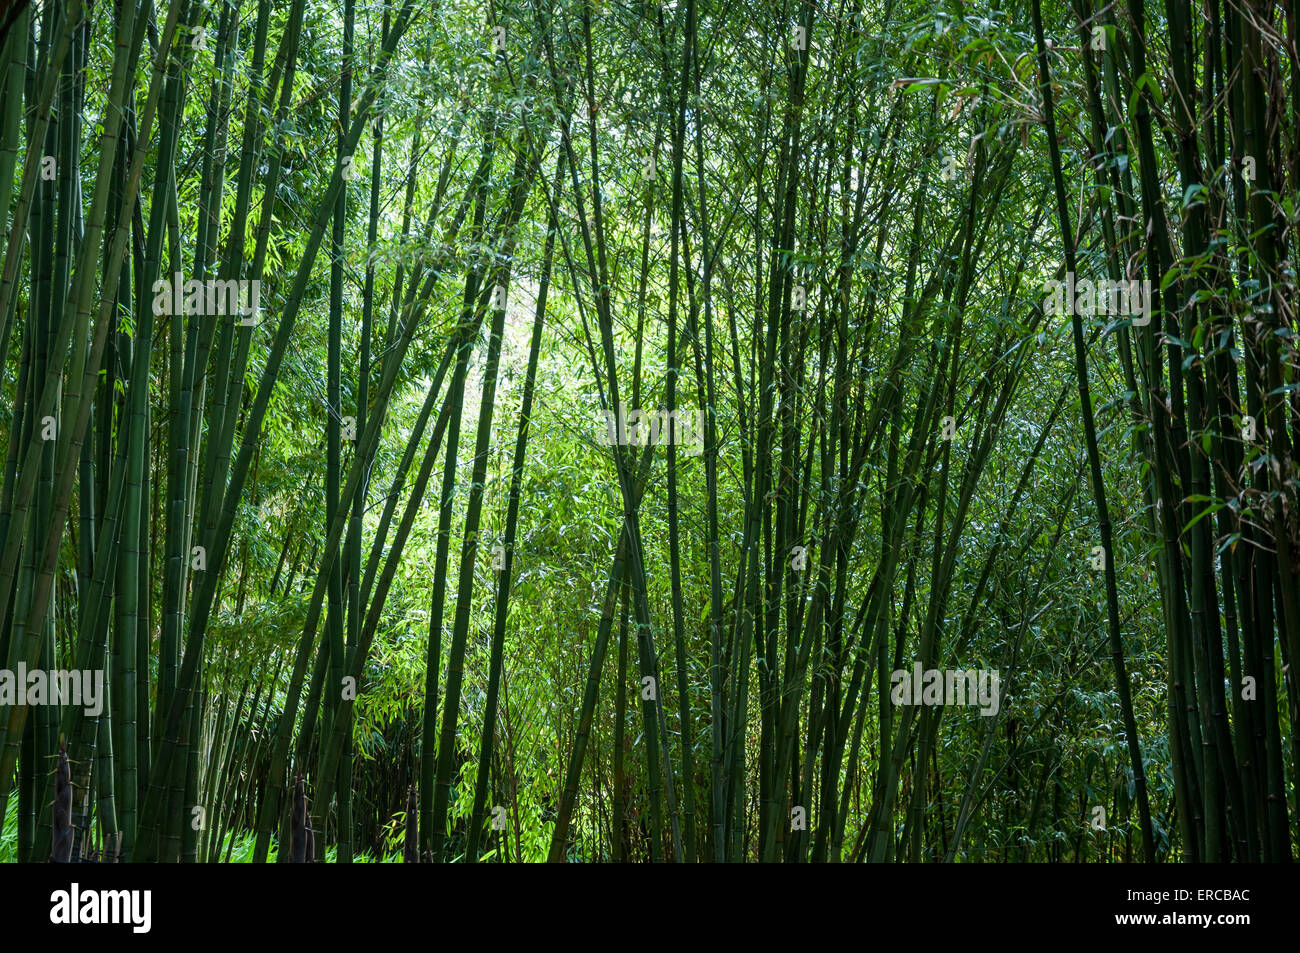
(560,430)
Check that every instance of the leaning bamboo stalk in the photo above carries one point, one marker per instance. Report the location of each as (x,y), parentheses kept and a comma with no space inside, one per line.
(1094,462)
(504,577)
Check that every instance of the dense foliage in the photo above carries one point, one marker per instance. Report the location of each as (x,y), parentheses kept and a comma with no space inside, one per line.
(568,429)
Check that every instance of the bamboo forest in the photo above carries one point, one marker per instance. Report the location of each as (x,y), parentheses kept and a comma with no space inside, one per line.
(621,430)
